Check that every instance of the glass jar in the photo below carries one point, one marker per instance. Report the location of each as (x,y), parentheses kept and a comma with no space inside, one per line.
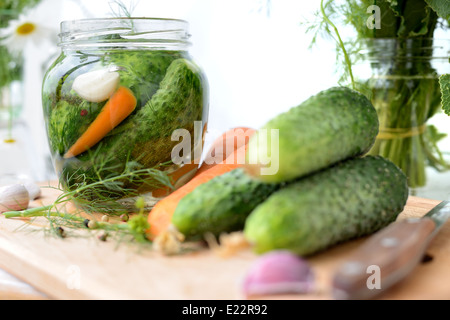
(401,76)
(118,102)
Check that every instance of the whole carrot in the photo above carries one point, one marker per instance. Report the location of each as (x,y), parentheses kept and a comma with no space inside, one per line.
(219,150)
(227,144)
(118,108)
(160,216)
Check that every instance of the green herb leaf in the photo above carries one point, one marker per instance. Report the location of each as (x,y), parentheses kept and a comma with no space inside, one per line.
(391,18)
(415,19)
(138,226)
(121,9)
(441,7)
(340,43)
(444,82)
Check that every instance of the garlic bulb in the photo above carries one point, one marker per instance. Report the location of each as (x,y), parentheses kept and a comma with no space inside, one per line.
(96,86)
(14,198)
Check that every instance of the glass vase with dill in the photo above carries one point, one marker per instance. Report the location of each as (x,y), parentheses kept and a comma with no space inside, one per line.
(404,88)
(396,61)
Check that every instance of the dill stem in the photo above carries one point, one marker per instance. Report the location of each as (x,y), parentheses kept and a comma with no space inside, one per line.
(341,44)
(42,212)
(35,212)
(112,226)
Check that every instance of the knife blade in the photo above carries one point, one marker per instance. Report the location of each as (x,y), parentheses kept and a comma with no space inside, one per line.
(388,256)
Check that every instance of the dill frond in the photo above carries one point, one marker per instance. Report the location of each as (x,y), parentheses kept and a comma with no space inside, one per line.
(90,200)
(119,9)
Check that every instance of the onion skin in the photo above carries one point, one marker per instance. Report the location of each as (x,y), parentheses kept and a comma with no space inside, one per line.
(14,198)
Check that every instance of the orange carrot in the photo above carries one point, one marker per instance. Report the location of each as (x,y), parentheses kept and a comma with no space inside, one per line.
(218,152)
(160,216)
(118,108)
(227,144)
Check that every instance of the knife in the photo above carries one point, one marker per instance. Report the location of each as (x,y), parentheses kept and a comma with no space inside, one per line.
(388,256)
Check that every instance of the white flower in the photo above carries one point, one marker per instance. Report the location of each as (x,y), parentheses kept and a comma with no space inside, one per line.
(20,32)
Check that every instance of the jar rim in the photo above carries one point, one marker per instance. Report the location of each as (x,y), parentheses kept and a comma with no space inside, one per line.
(108,19)
(116,32)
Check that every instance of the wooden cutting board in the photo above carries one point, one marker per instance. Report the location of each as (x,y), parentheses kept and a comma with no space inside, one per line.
(86,268)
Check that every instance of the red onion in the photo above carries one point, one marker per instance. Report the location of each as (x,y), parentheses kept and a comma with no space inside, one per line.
(279,272)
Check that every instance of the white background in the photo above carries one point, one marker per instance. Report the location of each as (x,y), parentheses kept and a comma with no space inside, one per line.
(258,65)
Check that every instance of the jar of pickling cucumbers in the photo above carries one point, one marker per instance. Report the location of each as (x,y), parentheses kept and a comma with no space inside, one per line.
(126,109)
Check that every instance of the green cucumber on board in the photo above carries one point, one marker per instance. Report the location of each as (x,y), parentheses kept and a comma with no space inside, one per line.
(220,205)
(334,125)
(353,198)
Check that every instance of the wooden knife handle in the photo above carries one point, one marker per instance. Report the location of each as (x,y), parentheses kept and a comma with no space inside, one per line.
(383,260)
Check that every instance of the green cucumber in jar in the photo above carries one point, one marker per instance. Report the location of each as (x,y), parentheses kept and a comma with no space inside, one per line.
(144,138)
(334,125)
(351,199)
(70,115)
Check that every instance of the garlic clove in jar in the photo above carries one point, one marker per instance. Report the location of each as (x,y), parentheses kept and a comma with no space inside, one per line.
(279,272)
(14,198)
(96,86)
(33,190)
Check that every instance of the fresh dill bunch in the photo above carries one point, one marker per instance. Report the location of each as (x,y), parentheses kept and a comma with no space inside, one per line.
(59,218)
(121,10)
(319,27)
(101,203)
(110,194)
(398,19)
